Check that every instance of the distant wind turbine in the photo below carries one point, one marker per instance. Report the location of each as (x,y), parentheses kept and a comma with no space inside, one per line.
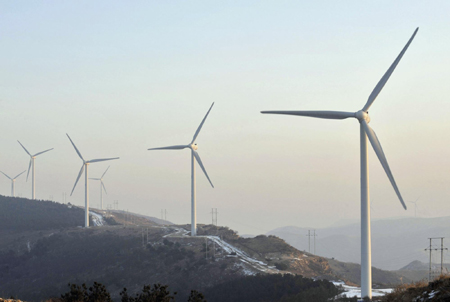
(86,180)
(415,206)
(32,157)
(365,131)
(194,156)
(13,180)
(102,187)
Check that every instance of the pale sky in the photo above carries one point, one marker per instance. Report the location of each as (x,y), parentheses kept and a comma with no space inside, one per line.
(122,77)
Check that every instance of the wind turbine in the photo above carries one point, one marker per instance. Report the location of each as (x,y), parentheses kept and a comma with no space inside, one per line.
(86,181)
(13,180)
(102,186)
(415,206)
(32,157)
(194,156)
(365,131)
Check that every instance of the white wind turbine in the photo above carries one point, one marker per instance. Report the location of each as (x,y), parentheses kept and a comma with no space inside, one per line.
(31,165)
(86,180)
(13,180)
(415,206)
(194,156)
(365,131)
(102,187)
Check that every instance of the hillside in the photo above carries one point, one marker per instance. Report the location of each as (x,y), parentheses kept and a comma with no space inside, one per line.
(436,291)
(395,242)
(129,250)
(21,214)
(119,256)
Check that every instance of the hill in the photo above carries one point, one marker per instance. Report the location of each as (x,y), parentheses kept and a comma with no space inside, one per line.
(21,214)
(119,256)
(128,250)
(395,242)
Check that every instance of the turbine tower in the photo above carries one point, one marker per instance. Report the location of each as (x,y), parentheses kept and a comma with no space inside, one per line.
(86,180)
(194,157)
(365,131)
(32,157)
(13,180)
(102,187)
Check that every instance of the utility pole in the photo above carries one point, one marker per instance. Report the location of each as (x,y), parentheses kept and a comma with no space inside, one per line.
(309,241)
(163,214)
(442,255)
(206,247)
(430,248)
(214,216)
(315,242)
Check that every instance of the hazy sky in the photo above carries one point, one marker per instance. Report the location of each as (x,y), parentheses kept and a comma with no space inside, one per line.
(122,77)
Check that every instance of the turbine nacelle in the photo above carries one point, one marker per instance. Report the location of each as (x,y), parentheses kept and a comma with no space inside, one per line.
(193,147)
(362,116)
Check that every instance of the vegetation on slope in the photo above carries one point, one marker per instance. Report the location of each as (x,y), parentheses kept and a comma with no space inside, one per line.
(438,290)
(260,288)
(351,272)
(98,293)
(116,256)
(19,214)
(118,217)
(38,264)
(272,288)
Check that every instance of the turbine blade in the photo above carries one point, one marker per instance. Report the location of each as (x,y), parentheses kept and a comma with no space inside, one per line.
(335,115)
(95,178)
(386,76)
(201,166)
(105,171)
(100,159)
(379,151)
(201,124)
(24,149)
(177,147)
(29,167)
(79,175)
(43,152)
(5,175)
(104,188)
(78,152)
(19,174)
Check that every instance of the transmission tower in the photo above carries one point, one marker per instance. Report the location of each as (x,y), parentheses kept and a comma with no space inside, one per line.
(214,216)
(309,241)
(430,248)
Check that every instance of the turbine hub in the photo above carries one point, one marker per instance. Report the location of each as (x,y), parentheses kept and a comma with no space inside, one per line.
(194,147)
(362,115)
